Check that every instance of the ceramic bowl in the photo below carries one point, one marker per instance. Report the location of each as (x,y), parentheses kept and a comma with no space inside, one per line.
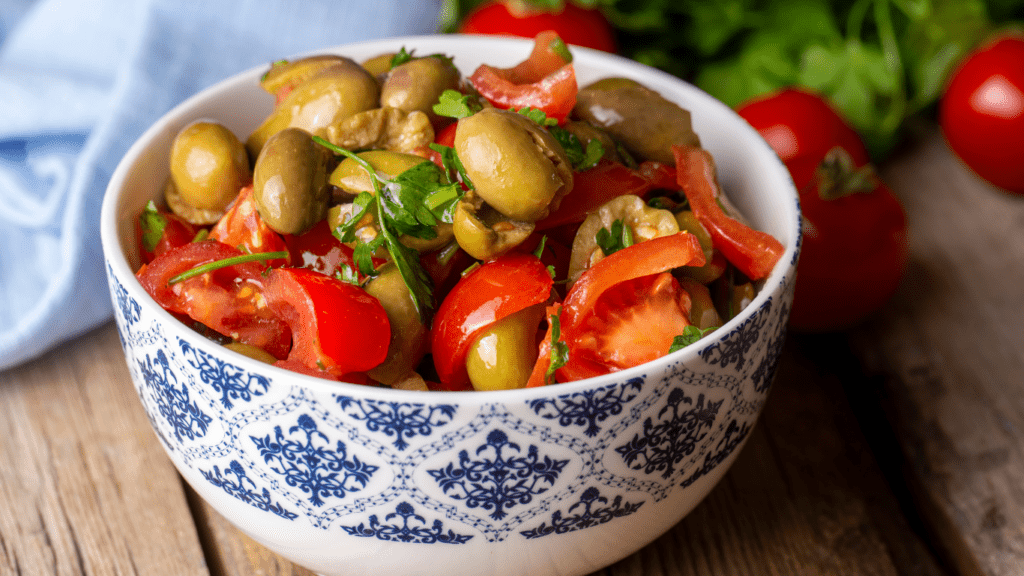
(348,479)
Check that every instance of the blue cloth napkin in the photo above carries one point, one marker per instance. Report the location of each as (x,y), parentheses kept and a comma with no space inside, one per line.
(80,80)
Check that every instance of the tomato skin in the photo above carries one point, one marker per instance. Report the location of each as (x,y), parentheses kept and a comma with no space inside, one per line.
(576,25)
(802,127)
(495,290)
(319,250)
(543,81)
(242,226)
(228,300)
(754,252)
(177,232)
(982,112)
(852,257)
(337,327)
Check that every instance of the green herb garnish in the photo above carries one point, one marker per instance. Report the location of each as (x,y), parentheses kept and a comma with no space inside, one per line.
(537,115)
(455,104)
(611,241)
(400,58)
(690,335)
(559,349)
(152,223)
(581,158)
(224,263)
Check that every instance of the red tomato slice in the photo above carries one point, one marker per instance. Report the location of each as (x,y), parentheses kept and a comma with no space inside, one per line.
(497,289)
(176,232)
(545,81)
(241,226)
(592,188)
(633,322)
(228,300)
(319,250)
(336,327)
(752,251)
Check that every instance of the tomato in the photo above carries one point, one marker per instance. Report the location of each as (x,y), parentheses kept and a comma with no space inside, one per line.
(802,127)
(594,187)
(576,25)
(622,311)
(228,300)
(176,232)
(493,291)
(982,112)
(337,327)
(241,226)
(545,81)
(752,251)
(319,250)
(853,253)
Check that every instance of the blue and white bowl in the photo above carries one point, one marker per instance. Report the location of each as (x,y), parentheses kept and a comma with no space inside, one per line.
(349,479)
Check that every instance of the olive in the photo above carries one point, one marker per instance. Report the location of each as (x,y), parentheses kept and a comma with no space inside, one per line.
(418,84)
(502,357)
(587,132)
(702,313)
(516,166)
(408,334)
(254,352)
(186,211)
(711,269)
(331,95)
(380,64)
(290,182)
(387,128)
(641,119)
(350,177)
(483,233)
(208,166)
(644,223)
(285,74)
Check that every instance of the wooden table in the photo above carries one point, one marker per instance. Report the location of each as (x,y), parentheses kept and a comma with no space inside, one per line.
(894,450)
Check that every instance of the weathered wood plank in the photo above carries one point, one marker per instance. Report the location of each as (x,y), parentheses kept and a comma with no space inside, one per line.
(951,351)
(84,486)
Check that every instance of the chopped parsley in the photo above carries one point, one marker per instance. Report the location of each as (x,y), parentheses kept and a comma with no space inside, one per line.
(152,223)
(690,335)
(611,241)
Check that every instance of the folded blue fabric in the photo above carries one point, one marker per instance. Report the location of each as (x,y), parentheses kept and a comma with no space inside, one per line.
(80,80)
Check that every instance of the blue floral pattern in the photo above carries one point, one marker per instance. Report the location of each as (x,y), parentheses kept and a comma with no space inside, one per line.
(411,528)
(244,489)
(588,408)
(399,419)
(185,417)
(591,509)
(231,381)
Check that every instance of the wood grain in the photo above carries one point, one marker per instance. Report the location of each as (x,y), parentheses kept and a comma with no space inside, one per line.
(85,487)
(951,350)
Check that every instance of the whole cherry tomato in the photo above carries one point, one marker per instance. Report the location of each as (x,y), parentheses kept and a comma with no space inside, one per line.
(982,112)
(854,248)
(802,127)
(576,25)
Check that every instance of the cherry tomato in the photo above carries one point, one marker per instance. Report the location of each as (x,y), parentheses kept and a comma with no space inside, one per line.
(228,300)
(854,249)
(621,312)
(495,290)
(802,127)
(545,81)
(752,251)
(337,327)
(576,25)
(176,232)
(982,112)
(241,226)
(319,250)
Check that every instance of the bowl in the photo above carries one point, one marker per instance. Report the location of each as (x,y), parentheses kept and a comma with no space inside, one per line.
(349,479)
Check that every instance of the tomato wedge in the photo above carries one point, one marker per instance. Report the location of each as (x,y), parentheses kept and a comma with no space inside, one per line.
(174,231)
(497,289)
(242,227)
(228,300)
(337,327)
(592,188)
(545,81)
(319,250)
(624,311)
(752,251)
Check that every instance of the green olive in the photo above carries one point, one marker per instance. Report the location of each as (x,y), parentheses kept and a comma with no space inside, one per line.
(703,314)
(380,64)
(517,167)
(483,232)
(644,223)
(329,96)
(587,132)
(502,357)
(208,166)
(711,269)
(408,334)
(285,74)
(418,84)
(290,182)
(641,119)
(254,352)
(189,213)
(387,128)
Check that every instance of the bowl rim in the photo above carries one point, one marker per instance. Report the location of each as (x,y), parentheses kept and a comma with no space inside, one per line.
(119,267)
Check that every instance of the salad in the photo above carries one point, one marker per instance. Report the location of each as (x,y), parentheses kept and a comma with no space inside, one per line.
(394,223)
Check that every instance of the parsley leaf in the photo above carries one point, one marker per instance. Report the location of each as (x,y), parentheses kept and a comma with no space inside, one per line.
(581,158)
(452,165)
(610,241)
(559,349)
(401,57)
(152,223)
(537,115)
(455,104)
(690,335)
